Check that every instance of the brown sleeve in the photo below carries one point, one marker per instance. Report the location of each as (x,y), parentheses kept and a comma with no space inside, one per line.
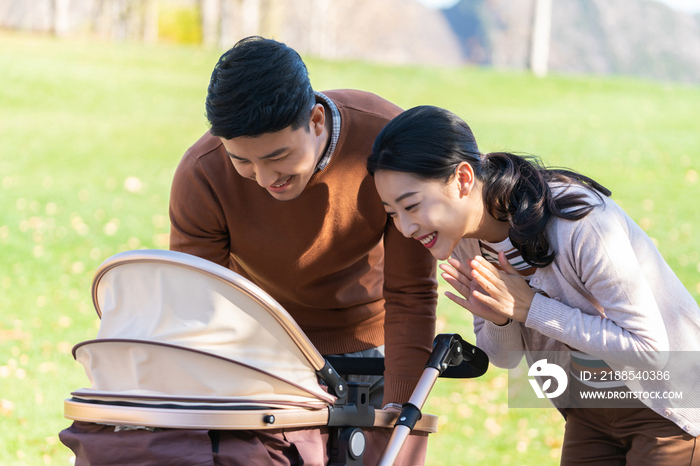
(197,222)
(410,291)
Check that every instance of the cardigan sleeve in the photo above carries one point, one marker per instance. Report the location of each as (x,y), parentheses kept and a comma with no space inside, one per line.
(498,341)
(596,254)
(410,293)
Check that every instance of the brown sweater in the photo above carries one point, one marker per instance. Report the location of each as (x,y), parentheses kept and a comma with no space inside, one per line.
(330,257)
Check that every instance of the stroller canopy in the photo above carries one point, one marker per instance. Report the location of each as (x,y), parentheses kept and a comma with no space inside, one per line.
(181,329)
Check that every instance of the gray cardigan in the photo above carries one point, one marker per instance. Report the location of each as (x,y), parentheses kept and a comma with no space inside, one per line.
(608,293)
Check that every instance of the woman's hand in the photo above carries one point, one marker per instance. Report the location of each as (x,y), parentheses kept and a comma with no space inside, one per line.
(505,291)
(459,276)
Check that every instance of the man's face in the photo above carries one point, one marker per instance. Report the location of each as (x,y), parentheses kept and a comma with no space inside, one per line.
(281,162)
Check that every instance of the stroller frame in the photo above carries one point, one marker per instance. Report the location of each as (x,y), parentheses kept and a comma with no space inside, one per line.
(346,415)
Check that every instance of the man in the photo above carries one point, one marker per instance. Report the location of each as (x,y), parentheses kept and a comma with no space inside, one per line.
(278,191)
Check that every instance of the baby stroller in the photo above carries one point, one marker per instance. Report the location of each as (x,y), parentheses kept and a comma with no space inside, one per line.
(193,364)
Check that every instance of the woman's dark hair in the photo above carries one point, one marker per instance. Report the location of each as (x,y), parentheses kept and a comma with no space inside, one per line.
(259,86)
(430,142)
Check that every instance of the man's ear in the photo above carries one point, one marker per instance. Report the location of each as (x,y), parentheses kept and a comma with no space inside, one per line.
(318,119)
(464,175)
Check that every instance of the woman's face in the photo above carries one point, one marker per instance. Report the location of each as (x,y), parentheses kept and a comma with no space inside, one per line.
(436,214)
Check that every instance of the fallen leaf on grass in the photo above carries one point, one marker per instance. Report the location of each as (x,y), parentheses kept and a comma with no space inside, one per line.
(14,334)
(6,407)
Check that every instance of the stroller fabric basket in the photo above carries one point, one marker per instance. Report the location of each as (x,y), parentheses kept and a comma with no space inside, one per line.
(189,352)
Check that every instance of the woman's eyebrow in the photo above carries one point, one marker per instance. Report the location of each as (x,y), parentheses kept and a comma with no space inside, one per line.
(404,196)
(401,197)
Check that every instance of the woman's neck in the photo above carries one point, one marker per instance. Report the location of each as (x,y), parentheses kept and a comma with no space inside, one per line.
(494,230)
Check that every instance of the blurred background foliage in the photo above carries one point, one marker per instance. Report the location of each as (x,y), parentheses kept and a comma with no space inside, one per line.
(657,39)
(180,24)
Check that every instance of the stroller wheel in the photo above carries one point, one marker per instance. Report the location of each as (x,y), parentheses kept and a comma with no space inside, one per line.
(357,443)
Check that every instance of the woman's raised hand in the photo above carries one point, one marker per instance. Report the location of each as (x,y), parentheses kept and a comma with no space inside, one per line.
(505,291)
(459,276)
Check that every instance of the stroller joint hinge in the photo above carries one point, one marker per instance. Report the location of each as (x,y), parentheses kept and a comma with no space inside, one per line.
(336,384)
(410,415)
(447,351)
(355,410)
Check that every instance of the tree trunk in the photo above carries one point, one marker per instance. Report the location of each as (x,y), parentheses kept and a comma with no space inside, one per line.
(60,17)
(273,13)
(250,15)
(229,28)
(210,11)
(118,19)
(150,21)
(541,30)
(100,23)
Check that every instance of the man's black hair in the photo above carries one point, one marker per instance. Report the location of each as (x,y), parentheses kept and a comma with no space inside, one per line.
(259,86)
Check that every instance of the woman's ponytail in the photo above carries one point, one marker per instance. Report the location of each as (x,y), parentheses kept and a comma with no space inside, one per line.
(517,190)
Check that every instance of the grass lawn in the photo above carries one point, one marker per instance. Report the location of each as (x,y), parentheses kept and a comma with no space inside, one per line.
(90,135)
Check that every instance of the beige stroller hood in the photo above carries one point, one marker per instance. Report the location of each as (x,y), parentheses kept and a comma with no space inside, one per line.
(187,344)
(179,329)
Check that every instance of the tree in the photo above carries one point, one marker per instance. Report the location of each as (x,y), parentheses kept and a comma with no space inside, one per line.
(210,11)
(541,31)
(60,17)
(241,18)
(150,21)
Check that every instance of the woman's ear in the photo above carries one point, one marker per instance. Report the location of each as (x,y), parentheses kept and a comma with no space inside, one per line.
(465,178)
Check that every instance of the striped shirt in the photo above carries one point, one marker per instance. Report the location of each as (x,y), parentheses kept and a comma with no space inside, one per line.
(490,252)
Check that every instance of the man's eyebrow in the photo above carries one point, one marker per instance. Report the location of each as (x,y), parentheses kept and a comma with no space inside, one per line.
(402,197)
(272,154)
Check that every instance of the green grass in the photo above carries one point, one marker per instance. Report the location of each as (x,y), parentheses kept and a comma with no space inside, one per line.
(90,134)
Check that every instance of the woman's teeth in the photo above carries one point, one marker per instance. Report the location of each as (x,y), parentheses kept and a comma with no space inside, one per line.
(428,238)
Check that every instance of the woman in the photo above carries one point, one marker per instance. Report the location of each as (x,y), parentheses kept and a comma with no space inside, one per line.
(546,261)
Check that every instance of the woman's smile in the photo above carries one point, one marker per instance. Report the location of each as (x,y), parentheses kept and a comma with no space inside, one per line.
(428,240)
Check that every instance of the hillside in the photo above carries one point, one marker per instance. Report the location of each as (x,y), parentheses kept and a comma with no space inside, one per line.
(632,37)
(603,37)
